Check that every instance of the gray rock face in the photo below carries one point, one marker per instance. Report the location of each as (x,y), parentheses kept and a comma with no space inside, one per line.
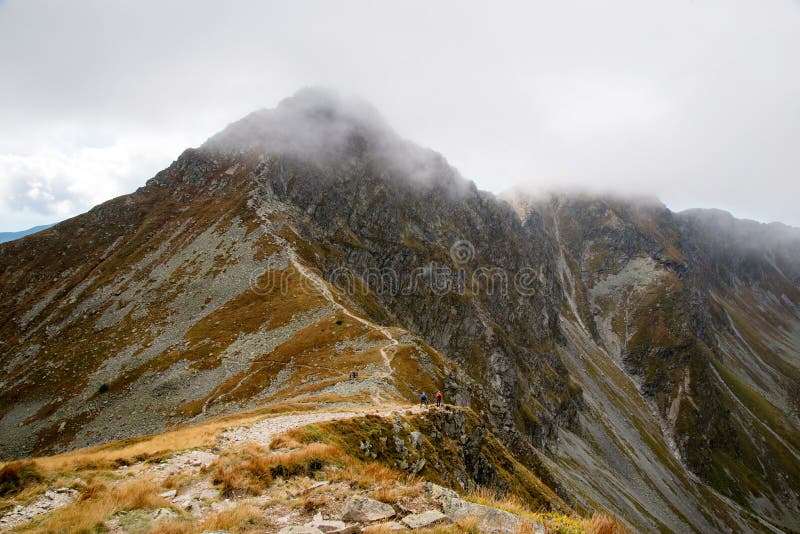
(416,439)
(428,518)
(366,510)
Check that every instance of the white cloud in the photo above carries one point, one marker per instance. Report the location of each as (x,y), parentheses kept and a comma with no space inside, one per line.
(695,102)
(54,183)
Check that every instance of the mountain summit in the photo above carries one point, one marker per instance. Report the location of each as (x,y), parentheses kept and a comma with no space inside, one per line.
(636,360)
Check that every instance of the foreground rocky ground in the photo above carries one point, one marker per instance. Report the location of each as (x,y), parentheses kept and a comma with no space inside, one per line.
(287,473)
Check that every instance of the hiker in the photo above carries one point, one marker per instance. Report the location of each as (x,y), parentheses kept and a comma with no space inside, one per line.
(423,399)
(438,398)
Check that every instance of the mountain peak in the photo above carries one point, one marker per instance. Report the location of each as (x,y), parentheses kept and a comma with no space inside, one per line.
(325,128)
(313,121)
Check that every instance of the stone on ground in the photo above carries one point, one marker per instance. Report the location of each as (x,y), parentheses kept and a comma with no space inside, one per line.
(437,492)
(425,519)
(326,525)
(366,510)
(489,520)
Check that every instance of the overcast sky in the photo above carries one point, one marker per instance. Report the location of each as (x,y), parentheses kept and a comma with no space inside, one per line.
(696,102)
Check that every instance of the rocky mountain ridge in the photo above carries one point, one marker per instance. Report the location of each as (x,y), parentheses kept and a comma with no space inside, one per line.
(645,361)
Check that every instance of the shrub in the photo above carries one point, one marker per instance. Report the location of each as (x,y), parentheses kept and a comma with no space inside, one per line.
(254,474)
(604,524)
(313,503)
(16,476)
(244,478)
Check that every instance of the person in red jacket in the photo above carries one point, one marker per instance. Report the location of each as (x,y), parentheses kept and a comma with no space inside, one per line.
(438,398)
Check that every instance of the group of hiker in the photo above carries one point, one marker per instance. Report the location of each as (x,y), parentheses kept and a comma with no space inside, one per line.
(423,399)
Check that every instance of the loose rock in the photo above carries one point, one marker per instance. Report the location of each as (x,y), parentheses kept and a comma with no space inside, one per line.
(425,519)
(366,510)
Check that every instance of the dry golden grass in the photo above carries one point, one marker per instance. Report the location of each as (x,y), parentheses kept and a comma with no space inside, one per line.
(379,474)
(234,519)
(370,475)
(254,474)
(17,476)
(525,528)
(242,518)
(113,454)
(313,503)
(173,527)
(177,482)
(553,521)
(391,495)
(284,442)
(604,524)
(97,504)
(245,478)
(508,502)
(465,527)
(304,461)
(117,453)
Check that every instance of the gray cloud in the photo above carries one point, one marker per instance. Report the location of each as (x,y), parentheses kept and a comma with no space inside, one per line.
(694,102)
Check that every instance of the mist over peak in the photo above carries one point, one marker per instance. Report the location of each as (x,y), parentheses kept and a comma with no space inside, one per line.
(313,120)
(326,128)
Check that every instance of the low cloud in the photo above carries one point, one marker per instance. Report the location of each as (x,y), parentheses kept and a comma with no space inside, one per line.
(56,183)
(694,102)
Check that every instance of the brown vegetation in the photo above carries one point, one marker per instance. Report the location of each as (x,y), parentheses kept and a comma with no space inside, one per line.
(16,476)
(254,473)
(98,502)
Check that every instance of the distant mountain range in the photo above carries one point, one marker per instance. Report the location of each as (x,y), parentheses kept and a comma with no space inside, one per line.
(11,236)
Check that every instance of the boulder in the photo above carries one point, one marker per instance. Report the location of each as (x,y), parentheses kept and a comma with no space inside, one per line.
(489,520)
(439,493)
(366,510)
(428,518)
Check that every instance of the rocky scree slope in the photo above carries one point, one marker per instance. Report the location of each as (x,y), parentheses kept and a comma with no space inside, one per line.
(694,316)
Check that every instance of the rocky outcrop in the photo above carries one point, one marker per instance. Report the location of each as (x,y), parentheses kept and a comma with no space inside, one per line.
(487,518)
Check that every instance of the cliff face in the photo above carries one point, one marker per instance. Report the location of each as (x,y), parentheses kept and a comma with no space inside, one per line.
(649,357)
(696,315)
